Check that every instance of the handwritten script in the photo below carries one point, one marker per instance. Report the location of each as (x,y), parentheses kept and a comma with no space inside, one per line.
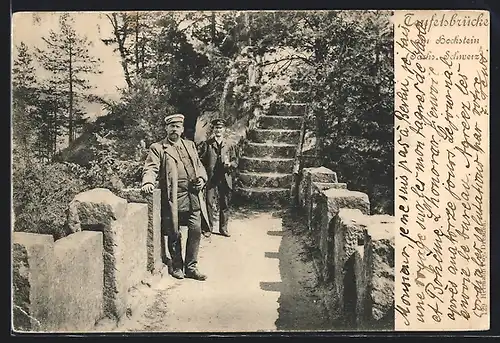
(442,171)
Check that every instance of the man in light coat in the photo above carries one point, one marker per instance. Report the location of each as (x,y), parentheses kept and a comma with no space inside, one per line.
(182,178)
(220,160)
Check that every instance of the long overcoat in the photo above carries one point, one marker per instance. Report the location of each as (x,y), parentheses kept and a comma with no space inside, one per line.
(162,162)
(208,154)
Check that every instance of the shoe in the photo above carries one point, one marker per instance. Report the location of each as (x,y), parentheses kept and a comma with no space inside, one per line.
(225,234)
(178,274)
(195,274)
(207,234)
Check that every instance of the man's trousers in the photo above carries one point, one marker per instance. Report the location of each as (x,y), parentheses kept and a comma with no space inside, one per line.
(193,221)
(219,196)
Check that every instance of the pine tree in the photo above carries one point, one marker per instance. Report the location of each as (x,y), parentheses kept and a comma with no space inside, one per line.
(67,57)
(24,95)
(134,38)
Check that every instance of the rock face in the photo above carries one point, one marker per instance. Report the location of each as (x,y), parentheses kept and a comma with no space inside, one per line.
(266,167)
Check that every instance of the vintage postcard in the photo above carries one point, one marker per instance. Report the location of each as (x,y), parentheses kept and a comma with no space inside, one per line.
(250,171)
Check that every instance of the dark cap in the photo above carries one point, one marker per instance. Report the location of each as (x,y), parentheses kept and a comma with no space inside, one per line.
(217,122)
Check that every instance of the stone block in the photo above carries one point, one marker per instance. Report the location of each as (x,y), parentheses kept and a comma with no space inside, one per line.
(323,174)
(347,235)
(310,160)
(342,198)
(288,108)
(77,280)
(93,208)
(101,210)
(380,262)
(153,243)
(276,149)
(274,136)
(319,215)
(261,197)
(303,188)
(136,232)
(32,259)
(317,175)
(276,165)
(280,122)
(271,180)
(361,278)
(312,194)
(323,186)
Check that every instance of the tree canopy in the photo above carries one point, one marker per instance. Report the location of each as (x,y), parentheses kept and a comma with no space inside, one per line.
(229,62)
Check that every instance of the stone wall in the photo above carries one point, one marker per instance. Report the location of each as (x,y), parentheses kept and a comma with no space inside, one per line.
(72,283)
(58,286)
(356,250)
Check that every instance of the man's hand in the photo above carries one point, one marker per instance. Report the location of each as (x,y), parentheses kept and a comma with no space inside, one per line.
(227,164)
(199,184)
(147,188)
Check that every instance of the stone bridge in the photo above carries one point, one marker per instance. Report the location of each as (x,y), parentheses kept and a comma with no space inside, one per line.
(113,248)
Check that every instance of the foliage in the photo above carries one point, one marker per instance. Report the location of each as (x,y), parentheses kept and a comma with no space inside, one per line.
(351,81)
(67,58)
(41,195)
(24,97)
(196,62)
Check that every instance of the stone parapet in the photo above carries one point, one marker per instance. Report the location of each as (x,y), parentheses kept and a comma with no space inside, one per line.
(356,249)
(70,284)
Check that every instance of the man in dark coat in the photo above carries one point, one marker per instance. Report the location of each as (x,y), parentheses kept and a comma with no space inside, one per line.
(220,160)
(182,178)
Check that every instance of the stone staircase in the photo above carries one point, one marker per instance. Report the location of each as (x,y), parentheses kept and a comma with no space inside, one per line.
(266,166)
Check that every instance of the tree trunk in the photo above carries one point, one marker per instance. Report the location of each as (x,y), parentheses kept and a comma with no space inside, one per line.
(54,138)
(212,27)
(121,46)
(137,67)
(70,123)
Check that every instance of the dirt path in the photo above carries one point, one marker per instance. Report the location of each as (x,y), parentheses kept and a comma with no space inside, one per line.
(259,279)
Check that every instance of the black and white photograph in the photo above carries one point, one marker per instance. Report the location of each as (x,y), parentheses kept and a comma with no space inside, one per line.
(203,171)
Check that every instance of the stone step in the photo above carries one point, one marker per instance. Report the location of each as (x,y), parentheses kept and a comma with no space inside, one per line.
(270,150)
(274,136)
(288,109)
(262,197)
(259,164)
(270,180)
(280,122)
(295,96)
